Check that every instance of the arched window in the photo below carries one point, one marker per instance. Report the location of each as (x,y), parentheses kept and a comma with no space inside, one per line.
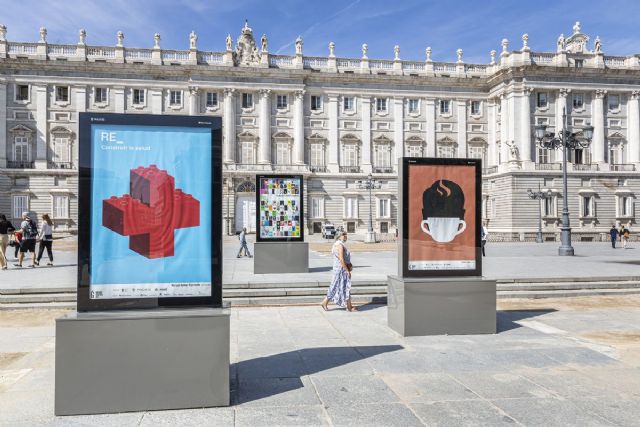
(246,187)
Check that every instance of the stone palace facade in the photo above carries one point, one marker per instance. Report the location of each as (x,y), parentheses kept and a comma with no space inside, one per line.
(335,120)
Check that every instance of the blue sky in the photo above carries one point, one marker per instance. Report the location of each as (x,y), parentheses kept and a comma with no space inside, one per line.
(475,26)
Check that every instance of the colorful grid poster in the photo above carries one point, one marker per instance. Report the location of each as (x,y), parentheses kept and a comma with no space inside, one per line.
(280,208)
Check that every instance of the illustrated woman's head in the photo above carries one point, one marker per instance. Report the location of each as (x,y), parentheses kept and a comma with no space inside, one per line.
(443,211)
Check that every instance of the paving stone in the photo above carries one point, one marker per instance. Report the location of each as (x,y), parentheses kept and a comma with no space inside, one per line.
(501,385)
(281,416)
(189,417)
(461,413)
(381,414)
(281,365)
(427,387)
(106,420)
(276,392)
(549,412)
(340,391)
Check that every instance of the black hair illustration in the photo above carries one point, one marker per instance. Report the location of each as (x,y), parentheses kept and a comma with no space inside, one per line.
(443,199)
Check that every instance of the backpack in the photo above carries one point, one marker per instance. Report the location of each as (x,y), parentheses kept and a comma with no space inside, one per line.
(31,231)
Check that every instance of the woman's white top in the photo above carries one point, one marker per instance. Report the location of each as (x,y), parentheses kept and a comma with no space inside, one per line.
(45,230)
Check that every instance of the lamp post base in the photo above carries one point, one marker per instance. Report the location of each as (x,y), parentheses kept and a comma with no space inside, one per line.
(539,238)
(565,251)
(370,237)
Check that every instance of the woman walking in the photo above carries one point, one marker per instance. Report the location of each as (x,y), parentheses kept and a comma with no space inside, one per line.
(340,289)
(5,228)
(46,239)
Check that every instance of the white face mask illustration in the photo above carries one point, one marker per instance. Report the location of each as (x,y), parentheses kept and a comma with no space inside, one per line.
(442,229)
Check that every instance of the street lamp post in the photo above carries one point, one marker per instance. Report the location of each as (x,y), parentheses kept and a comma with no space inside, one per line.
(565,140)
(539,196)
(369,184)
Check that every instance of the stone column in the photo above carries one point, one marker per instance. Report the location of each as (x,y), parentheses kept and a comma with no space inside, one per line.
(492,149)
(298,127)
(4,142)
(81,107)
(597,144)
(398,127)
(634,128)
(156,100)
(42,129)
(504,129)
(525,129)
(264,137)
(229,125)
(561,105)
(366,134)
(462,128)
(118,93)
(193,101)
(333,133)
(430,131)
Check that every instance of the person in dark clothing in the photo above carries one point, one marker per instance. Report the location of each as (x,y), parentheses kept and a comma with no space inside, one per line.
(5,229)
(614,236)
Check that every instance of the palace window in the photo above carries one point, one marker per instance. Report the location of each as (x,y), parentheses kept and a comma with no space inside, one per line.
(478,151)
(60,206)
(20,204)
(281,101)
(580,156)
(550,207)
(247,153)
(283,153)
(350,207)
(247,100)
(475,108)
(350,155)
(588,206)
(212,100)
(175,97)
(624,207)
(542,100)
(544,155)
(22,92)
(100,95)
(316,154)
(138,97)
(579,63)
(381,105)
(347,103)
(414,150)
(61,149)
(578,100)
(445,106)
(384,208)
(317,207)
(21,151)
(316,103)
(414,106)
(617,152)
(382,155)
(62,93)
(614,102)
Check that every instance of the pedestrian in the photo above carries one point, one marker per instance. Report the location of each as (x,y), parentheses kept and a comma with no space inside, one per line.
(46,239)
(17,240)
(6,228)
(340,288)
(625,237)
(484,234)
(621,235)
(243,243)
(613,233)
(29,235)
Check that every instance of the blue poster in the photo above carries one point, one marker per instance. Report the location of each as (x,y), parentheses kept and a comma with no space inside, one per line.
(150,207)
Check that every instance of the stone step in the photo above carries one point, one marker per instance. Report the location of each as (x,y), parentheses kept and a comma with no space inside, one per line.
(540,286)
(36,290)
(308,284)
(302,300)
(566,293)
(285,292)
(38,298)
(39,306)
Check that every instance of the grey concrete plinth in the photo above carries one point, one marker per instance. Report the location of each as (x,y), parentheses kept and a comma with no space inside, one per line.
(280,257)
(435,306)
(108,362)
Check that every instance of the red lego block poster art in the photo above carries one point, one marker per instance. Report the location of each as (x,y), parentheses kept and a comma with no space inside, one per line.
(151,212)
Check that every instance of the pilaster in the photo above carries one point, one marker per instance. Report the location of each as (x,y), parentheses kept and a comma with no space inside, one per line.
(430,125)
(118,93)
(298,127)
(561,107)
(81,98)
(156,101)
(492,153)
(193,100)
(504,130)
(398,127)
(42,128)
(525,129)
(597,121)
(333,133)
(366,134)
(462,127)
(634,127)
(264,139)
(229,125)
(3,125)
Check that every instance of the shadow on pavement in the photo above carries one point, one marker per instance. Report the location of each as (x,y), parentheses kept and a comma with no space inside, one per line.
(267,376)
(377,302)
(319,269)
(506,319)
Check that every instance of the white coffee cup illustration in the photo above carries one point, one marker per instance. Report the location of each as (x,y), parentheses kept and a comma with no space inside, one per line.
(443,211)
(442,229)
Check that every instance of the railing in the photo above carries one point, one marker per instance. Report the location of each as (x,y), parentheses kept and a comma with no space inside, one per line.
(210,57)
(475,69)
(138,54)
(281,61)
(348,63)
(101,52)
(248,167)
(413,66)
(548,166)
(581,167)
(444,67)
(381,65)
(542,58)
(489,170)
(350,169)
(12,164)
(383,170)
(22,48)
(315,62)
(60,165)
(620,167)
(615,61)
(319,169)
(61,50)
(291,168)
(175,55)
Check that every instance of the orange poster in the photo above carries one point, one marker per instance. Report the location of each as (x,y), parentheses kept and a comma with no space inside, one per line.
(441,222)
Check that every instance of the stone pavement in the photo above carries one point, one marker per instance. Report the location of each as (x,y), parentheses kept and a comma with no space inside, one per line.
(503,261)
(553,363)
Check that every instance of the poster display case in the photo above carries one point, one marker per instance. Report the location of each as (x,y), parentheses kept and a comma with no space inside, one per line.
(280,208)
